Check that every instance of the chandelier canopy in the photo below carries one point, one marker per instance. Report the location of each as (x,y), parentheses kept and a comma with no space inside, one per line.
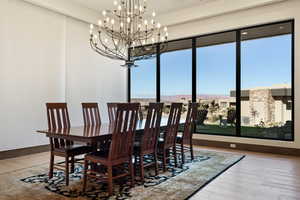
(125,34)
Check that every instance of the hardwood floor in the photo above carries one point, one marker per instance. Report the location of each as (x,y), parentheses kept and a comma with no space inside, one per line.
(258,176)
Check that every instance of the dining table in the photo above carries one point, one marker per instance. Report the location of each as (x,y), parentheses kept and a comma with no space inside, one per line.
(93,134)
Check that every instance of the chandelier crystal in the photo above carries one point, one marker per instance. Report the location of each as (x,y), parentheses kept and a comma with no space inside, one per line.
(126,34)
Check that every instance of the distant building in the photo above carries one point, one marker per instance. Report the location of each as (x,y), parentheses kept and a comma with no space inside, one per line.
(267,105)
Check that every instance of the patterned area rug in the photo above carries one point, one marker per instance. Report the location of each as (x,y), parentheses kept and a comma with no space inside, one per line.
(177,183)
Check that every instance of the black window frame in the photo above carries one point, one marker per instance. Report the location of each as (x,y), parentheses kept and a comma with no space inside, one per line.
(238,75)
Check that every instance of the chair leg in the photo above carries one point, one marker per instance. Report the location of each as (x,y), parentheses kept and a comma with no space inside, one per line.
(182,155)
(164,160)
(135,164)
(85,175)
(168,155)
(110,180)
(142,167)
(131,169)
(51,165)
(67,170)
(175,155)
(156,164)
(192,151)
(72,164)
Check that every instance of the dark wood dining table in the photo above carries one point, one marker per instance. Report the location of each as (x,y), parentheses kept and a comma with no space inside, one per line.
(92,134)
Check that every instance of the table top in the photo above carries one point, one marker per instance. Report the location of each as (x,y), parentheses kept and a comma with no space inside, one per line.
(87,133)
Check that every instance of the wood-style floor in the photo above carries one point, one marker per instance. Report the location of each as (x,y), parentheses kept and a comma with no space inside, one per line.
(258,176)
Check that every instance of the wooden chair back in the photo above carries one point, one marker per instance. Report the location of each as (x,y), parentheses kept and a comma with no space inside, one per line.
(112,111)
(121,146)
(172,126)
(58,119)
(190,122)
(152,128)
(91,114)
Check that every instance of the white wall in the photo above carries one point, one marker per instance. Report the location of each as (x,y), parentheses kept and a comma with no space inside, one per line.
(96,79)
(45,57)
(272,13)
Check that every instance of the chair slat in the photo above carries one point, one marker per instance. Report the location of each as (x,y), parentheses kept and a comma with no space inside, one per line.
(91,114)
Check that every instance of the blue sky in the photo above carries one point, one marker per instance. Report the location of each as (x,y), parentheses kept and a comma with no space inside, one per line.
(265,62)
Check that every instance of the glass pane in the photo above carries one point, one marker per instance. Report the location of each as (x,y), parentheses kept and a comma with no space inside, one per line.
(266,102)
(176,79)
(216,75)
(143,83)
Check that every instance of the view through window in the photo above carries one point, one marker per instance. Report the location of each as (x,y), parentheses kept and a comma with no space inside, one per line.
(266,101)
(176,81)
(143,83)
(216,72)
(212,76)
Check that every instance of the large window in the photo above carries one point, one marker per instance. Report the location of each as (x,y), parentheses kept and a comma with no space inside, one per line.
(242,80)
(266,82)
(143,83)
(176,80)
(216,72)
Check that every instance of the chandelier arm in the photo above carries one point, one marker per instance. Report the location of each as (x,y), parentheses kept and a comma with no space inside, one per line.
(115,34)
(108,49)
(105,52)
(100,51)
(142,35)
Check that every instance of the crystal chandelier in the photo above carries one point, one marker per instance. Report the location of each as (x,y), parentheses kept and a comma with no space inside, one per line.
(125,34)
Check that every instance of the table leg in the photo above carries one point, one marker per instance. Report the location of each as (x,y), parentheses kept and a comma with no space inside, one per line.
(95,148)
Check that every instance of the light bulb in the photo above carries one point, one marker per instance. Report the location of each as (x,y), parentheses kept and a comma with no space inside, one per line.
(135,7)
(133,43)
(95,37)
(146,22)
(119,7)
(139,26)
(165,29)
(162,39)
(153,14)
(104,13)
(152,21)
(91,32)
(100,23)
(128,19)
(105,40)
(91,26)
(167,34)
(158,25)
(144,42)
(121,24)
(153,40)
(115,3)
(107,19)
(112,21)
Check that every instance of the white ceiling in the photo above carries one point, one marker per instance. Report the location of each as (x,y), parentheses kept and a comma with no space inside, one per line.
(160,6)
(170,12)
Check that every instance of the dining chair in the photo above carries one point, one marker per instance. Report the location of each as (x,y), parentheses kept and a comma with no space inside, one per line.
(187,136)
(92,120)
(58,119)
(91,114)
(120,151)
(168,142)
(112,111)
(147,145)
